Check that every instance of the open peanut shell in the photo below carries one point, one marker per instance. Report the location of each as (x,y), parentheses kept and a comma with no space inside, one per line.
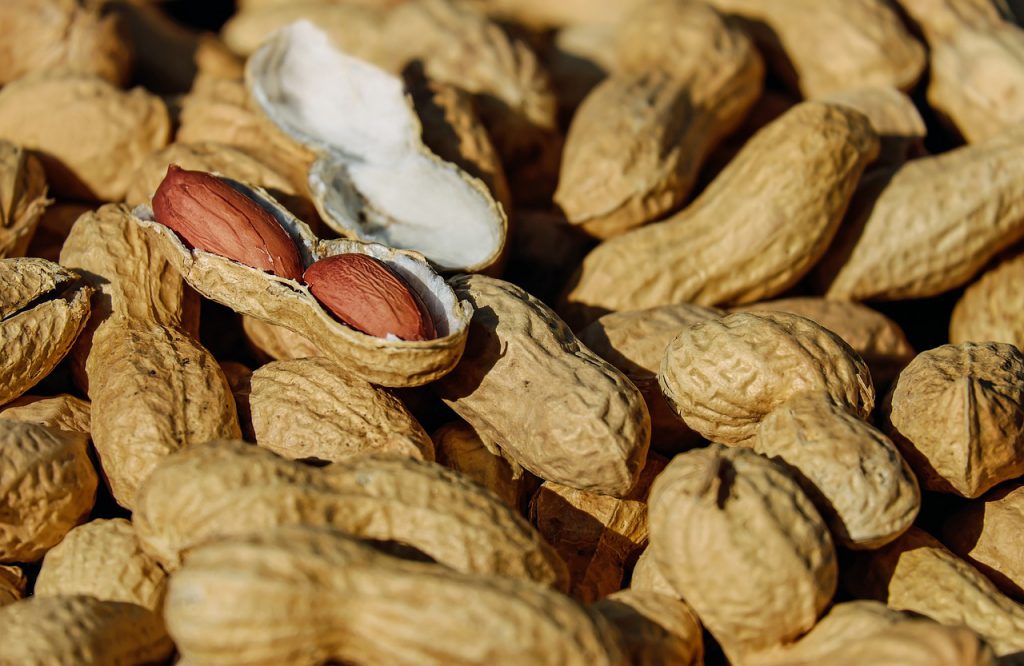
(375,179)
(250,291)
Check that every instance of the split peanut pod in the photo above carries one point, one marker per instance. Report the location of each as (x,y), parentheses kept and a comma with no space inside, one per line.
(217,610)
(387,361)
(43,308)
(741,543)
(47,486)
(523,365)
(725,375)
(957,414)
(372,156)
(22,198)
(231,488)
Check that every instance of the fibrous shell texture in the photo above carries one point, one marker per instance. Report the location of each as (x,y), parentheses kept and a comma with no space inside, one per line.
(684,80)
(635,341)
(22,198)
(375,179)
(853,473)
(589,427)
(63,412)
(90,136)
(877,339)
(988,533)
(43,308)
(916,573)
(655,628)
(866,632)
(977,64)
(957,414)
(217,610)
(821,46)
(725,375)
(289,303)
(47,486)
(754,232)
(80,629)
(63,35)
(992,309)
(226,488)
(929,225)
(743,545)
(314,409)
(103,559)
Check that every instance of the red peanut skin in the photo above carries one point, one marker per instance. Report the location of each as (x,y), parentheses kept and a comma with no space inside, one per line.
(368,296)
(211,215)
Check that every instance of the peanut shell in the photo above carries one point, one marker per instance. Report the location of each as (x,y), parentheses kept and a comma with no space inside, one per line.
(103,559)
(83,630)
(787,188)
(458,447)
(270,342)
(63,412)
(895,119)
(656,629)
(742,544)
(217,612)
(22,199)
(12,584)
(47,486)
(647,577)
(90,136)
(723,376)
(987,533)
(957,414)
(229,488)
(589,427)
(992,309)
(313,409)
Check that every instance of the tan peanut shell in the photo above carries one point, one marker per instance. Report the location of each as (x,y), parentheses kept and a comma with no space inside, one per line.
(738,539)
(893,116)
(898,243)
(821,46)
(596,535)
(103,559)
(90,136)
(231,488)
(270,342)
(80,629)
(313,409)
(987,533)
(288,303)
(458,447)
(852,472)
(588,425)
(977,64)
(957,414)
(655,628)
(43,308)
(752,233)
(541,14)
(992,309)
(723,376)
(647,577)
(916,573)
(22,198)
(683,80)
(866,632)
(63,35)
(217,610)
(12,584)
(578,58)
(635,341)
(877,339)
(47,486)
(63,412)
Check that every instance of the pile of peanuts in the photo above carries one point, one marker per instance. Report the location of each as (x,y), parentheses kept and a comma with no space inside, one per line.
(587,332)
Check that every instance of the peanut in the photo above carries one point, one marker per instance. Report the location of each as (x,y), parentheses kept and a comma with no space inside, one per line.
(986,533)
(898,123)
(368,296)
(312,409)
(12,584)
(957,414)
(270,342)
(63,412)
(79,629)
(725,375)
(647,577)
(656,629)
(991,308)
(516,343)
(48,486)
(458,447)
(217,610)
(103,559)
(22,199)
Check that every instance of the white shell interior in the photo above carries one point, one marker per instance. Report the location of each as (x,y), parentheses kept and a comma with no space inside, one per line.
(375,179)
